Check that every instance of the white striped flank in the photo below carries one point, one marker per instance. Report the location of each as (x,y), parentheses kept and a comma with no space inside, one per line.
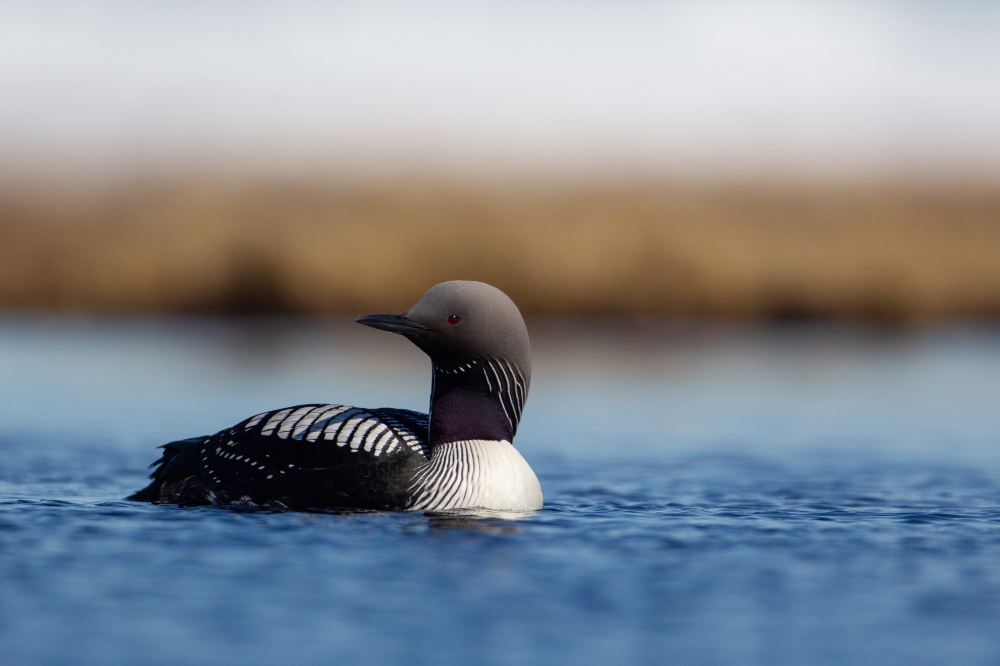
(316,429)
(386,438)
(476,474)
(300,428)
(335,425)
(273,422)
(358,438)
(407,437)
(373,435)
(347,429)
(289,423)
(255,420)
(357,429)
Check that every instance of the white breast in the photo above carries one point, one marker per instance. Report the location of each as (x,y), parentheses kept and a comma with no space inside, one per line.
(476,474)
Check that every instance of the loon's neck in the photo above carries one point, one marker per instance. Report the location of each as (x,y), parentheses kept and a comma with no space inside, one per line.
(480,399)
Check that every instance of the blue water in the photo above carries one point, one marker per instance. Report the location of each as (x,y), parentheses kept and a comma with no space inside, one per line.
(715,494)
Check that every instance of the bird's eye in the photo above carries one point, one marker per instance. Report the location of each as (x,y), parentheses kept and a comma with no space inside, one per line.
(454,319)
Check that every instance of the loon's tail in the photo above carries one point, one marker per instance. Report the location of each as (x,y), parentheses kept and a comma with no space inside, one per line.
(175,479)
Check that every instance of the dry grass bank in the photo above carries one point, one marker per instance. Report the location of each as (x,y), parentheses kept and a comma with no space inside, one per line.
(891,252)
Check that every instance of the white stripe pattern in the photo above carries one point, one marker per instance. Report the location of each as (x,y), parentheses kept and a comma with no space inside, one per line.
(306,421)
(511,387)
(286,426)
(273,422)
(255,420)
(319,425)
(476,474)
(344,426)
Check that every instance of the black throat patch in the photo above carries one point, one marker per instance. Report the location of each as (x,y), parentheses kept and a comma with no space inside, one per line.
(479,399)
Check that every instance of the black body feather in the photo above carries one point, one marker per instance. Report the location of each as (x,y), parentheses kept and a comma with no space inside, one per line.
(303,457)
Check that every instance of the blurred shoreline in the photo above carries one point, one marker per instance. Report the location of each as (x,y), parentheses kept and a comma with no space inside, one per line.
(333,246)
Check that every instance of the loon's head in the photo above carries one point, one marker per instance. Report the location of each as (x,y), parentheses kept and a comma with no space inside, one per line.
(478,345)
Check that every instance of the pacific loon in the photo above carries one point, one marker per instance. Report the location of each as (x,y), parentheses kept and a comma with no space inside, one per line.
(321,456)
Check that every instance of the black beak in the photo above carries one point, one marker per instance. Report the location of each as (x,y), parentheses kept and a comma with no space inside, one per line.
(393,323)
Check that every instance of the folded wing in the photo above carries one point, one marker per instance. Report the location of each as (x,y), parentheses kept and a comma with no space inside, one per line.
(307,456)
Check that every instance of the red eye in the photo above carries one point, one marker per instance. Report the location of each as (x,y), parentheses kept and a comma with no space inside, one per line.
(454,319)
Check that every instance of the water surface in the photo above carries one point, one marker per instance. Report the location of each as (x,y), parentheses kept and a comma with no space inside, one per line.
(714,494)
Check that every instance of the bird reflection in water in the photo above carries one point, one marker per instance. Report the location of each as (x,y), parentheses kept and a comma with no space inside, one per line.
(478,520)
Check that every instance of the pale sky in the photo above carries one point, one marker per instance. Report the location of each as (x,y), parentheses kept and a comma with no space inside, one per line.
(863,89)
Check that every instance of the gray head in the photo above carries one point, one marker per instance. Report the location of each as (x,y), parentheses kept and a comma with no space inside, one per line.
(478,344)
